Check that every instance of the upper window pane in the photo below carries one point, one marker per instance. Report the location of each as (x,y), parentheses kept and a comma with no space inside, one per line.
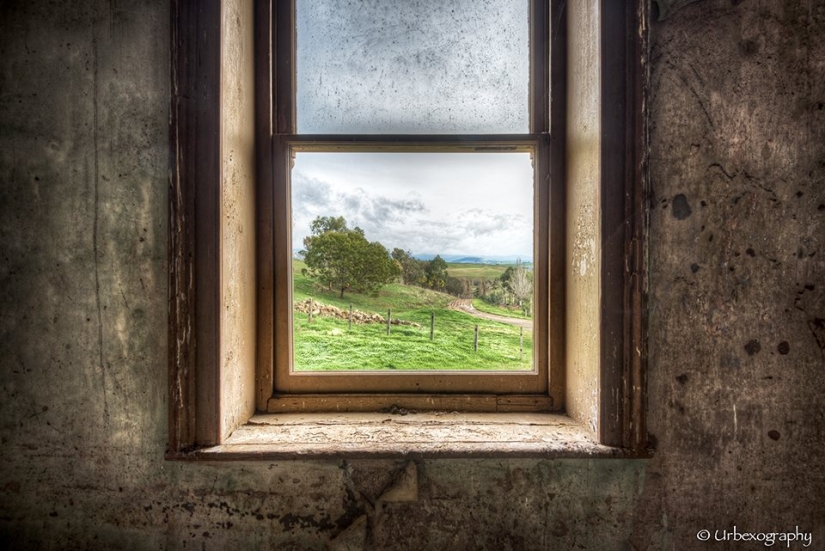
(412,67)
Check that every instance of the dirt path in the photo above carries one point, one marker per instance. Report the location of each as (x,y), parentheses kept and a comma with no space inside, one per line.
(466,305)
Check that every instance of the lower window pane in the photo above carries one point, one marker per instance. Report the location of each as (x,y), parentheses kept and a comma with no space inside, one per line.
(412,261)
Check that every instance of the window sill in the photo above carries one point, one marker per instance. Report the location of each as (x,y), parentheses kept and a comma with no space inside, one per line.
(408,435)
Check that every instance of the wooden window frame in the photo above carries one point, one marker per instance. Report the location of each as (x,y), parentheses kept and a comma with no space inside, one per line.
(432,389)
(195,230)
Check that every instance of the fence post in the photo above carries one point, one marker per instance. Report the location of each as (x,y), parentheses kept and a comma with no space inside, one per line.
(309,314)
(521,344)
(475,340)
(350,316)
(432,324)
(389,314)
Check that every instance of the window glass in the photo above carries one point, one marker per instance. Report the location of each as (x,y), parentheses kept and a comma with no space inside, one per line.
(439,243)
(412,67)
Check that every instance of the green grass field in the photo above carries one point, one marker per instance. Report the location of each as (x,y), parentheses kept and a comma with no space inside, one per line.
(478,271)
(326,344)
(475,271)
(514,312)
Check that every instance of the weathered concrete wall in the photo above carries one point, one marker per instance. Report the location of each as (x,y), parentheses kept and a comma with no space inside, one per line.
(737,343)
(737,336)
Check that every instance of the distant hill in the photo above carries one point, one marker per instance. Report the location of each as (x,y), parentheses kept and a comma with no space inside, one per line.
(463,259)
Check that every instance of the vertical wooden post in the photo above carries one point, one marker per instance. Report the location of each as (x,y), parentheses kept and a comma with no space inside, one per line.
(521,344)
(389,315)
(475,340)
(350,316)
(309,314)
(432,324)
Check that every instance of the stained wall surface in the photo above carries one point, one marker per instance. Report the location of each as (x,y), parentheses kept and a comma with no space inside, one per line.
(737,337)
(584,176)
(737,330)
(237,151)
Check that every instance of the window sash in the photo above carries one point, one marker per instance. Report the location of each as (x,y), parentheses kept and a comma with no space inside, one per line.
(285,141)
(287,380)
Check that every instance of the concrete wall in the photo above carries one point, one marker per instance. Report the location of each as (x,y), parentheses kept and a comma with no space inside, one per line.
(737,349)
(737,337)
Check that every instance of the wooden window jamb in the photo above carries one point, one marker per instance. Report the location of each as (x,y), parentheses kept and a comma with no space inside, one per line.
(624,224)
(194,232)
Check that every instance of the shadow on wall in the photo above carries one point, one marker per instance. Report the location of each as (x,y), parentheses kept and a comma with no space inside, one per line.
(662,9)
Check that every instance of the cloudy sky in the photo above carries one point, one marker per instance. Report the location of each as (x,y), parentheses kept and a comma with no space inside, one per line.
(473,204)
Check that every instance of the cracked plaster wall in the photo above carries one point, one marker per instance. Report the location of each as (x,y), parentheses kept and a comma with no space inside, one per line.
(737,367)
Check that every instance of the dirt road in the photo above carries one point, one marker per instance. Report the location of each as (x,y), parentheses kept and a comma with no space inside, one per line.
(466,305)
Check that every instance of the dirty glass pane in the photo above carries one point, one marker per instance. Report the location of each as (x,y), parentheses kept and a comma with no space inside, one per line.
(412,66)
(439,243)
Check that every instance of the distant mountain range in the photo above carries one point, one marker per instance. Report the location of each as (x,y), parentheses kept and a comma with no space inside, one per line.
(463,259)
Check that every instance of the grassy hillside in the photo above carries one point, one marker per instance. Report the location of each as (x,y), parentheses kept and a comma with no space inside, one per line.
(327,344)
(401,298)
(509,311)
(478,271)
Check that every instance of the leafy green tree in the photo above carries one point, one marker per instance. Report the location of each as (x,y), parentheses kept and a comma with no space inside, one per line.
(412,270)
(324,224)
(436,273)
(455,286)
(342,258)
(505,277)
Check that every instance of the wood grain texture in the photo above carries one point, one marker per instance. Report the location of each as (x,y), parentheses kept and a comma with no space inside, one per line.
(264,207)
(194,234)
(624,229)
(422,435)
(615,148)
(281,403)
(557,208)
(636,242)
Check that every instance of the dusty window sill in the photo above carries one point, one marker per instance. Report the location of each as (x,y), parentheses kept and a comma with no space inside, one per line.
(414,435)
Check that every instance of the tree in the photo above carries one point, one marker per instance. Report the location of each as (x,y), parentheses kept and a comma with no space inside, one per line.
(455,286)
(436,272)
(412,271)
(324,224)
(342,258)
(520,284)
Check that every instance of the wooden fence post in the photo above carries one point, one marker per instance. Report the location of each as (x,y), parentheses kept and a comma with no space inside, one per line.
(475,340)
(309,314)
(432,324)
(350,316)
